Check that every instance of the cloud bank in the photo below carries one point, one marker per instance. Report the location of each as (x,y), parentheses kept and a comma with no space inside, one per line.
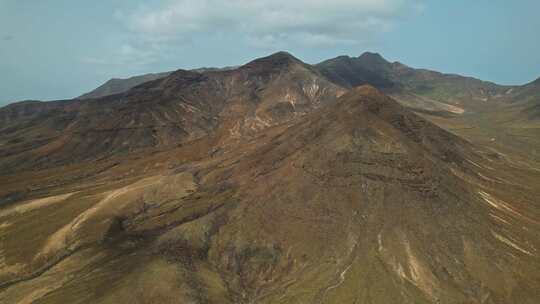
(267,23)
(154,32)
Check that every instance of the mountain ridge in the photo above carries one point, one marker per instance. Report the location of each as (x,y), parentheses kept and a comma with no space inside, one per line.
(181,107)
(282,86)
(368,68)
(357,199)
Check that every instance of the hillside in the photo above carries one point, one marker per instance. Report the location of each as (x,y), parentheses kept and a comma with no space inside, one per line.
(417,88)
(163,113)
(269,183)
(120,85)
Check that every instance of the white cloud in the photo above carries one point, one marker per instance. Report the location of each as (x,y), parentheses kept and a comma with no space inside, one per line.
(158,33)
(302,23)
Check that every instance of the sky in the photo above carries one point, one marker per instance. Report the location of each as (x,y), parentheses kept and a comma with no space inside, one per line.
(59,49)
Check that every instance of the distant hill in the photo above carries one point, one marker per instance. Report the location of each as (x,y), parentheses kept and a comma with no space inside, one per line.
(418,88)
(120,85)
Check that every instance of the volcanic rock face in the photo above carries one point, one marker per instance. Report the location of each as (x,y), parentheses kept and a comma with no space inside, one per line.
(274,186)
(182,107)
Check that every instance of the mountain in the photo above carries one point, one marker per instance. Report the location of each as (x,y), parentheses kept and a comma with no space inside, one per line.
(527,98)
(120,85)
(503,118)
(526,102)
(417,88)
(421,89)
(202,70)
(268,183)
(352,72)
(358,200)
(182,107)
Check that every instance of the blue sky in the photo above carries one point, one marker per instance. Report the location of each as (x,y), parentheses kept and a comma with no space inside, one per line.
(55,49)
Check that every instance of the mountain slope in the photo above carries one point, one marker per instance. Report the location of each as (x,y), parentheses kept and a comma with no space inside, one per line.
(417,88)
(352,72)
(503,118)
(118,85)
(163,113)
(268,183)
(527,98)
(360,200)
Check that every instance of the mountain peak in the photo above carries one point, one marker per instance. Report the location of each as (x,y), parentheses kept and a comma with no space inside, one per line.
(372,57)
(374,62)
(351,72)
(282,55)
(277,59)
